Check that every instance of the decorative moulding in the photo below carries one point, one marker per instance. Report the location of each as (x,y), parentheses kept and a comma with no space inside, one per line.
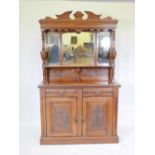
(78,23)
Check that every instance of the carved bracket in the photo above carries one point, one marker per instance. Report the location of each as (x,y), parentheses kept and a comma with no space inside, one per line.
(44,56)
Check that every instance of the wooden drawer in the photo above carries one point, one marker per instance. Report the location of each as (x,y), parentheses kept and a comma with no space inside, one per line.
(61,92)
(63,75)
(94,74)
(98,92)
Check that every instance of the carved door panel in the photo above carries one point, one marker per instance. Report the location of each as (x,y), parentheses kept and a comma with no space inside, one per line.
(97,116)
(61,116)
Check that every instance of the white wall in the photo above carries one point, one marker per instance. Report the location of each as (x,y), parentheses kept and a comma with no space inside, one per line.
(30,47)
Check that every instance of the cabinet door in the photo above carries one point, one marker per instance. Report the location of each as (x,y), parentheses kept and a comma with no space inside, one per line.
(61,116)
(97,116)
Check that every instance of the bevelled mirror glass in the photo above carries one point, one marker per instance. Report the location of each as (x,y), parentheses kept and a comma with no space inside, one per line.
(78,48)
(52,47)
(103,47)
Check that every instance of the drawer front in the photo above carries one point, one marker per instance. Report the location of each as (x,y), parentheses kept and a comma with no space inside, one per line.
(61,92)
(94,74)
(62,75)
(98,91)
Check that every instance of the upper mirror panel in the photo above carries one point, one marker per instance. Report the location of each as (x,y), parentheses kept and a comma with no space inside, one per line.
(103,47)
(78,48)
(52,47)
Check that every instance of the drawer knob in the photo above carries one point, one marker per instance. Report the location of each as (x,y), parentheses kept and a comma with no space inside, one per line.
(75,119)
(98,92)
(83,119)
(61,92)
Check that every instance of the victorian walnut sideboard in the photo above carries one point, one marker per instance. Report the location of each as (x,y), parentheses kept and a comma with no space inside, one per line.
(78,95)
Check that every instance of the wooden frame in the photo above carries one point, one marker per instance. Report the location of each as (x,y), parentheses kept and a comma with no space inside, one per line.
(78,93)
(93,23)
(78,24)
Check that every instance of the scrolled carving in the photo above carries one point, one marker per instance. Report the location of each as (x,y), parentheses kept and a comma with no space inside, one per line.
(108,18)
(61,118)
(48,18)
(65,15)
(78,15)
(96,117)
(113,54)
(92,15)
(78,23)
(44,56)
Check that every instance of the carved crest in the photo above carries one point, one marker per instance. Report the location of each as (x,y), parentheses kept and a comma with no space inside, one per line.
(77,16)
(65,15)
(64,22)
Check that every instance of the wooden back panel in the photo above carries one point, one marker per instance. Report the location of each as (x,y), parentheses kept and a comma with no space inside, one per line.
(62,75)
(78,74)
(94,74)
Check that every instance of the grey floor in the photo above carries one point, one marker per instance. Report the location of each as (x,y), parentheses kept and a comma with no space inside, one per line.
(29,144)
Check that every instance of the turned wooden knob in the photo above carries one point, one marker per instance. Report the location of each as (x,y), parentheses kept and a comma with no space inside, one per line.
(98,92)
(83,119)
(75,119)
(61,92)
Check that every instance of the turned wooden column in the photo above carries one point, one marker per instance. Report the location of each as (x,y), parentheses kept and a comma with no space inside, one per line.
(61,49)
(96,51)
(44,57)
(112,55)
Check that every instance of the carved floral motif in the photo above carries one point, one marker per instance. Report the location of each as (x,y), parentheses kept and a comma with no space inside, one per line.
(61,118)
(96,117)
(94,72)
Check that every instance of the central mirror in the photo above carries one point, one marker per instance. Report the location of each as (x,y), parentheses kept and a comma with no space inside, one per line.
(78,48)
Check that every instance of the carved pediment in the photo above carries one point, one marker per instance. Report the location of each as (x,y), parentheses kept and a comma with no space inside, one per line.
(77,16)
(65,15)
(77,21)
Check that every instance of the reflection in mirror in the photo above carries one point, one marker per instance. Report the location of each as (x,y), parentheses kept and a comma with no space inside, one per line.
(78,48)
(52,47)
(103,47)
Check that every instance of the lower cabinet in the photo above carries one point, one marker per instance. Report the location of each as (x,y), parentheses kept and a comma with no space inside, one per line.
(79,117)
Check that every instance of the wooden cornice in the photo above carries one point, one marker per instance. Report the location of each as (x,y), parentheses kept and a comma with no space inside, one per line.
(63,22)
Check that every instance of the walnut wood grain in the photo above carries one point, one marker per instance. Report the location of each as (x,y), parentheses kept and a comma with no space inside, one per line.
(42,112)
(78,23)
(61,113)
(79,140)
(82,99)
(78,103)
